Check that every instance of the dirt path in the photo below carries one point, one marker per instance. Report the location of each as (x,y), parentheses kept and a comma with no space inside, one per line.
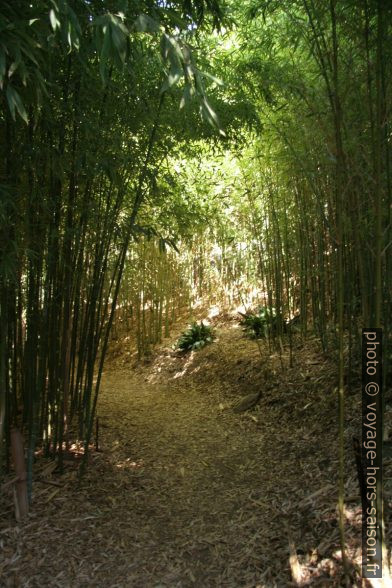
(206,500)
(185,493)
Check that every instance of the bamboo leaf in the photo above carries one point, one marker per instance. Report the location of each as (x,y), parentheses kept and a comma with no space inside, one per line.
(216,80)
(15,103)
(105,52)
(2,66)
(187,95)
(54,21)
(146,24)
(119,40)
(172,79)
(210,115)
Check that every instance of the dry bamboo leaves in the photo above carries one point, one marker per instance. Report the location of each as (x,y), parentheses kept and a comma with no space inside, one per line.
(186,494)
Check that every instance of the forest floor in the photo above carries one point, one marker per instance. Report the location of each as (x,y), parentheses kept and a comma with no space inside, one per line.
(186,493)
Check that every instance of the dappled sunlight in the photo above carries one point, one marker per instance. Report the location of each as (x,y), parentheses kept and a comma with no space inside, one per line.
(306,569)
(214,312)
(195,233)
(169,434)
(130,464)
(385,581)
(186,367)
(353,515)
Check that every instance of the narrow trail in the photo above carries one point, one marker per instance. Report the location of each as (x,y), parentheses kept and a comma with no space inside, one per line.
(208,498)
(185,493)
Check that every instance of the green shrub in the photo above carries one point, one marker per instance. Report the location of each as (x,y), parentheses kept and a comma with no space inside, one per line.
(259,324)
(195,337)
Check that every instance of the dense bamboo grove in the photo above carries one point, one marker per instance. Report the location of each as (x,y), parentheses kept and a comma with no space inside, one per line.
(83,108)
(121,205)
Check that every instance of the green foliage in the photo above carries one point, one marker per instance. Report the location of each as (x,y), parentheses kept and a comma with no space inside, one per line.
(90,95)
(106,165)
(261,323)
(195,337)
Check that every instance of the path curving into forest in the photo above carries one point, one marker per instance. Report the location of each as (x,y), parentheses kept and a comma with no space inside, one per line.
(186,493)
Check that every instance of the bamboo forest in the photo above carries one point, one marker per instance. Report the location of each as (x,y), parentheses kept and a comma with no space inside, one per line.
(195,293)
